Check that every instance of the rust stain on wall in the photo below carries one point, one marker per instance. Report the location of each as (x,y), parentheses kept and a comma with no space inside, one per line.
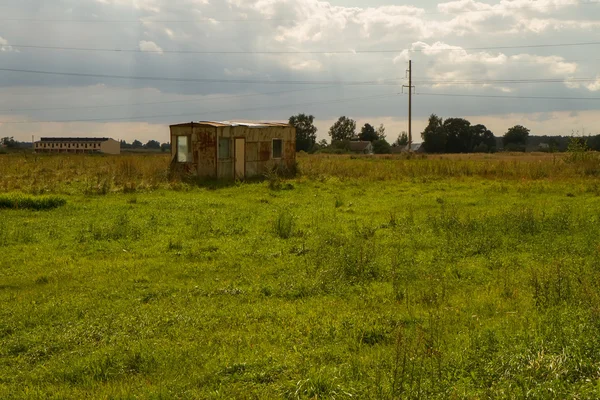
(205,149)
(264,153)
(204,141)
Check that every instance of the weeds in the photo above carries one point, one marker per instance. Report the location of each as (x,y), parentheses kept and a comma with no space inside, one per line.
(284,224)
(22,202)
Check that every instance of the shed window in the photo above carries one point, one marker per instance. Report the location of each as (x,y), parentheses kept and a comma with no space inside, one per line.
(224,148)
(277,148)
(183,149)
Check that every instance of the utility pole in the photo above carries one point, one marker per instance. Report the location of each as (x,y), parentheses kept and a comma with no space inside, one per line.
(410,91)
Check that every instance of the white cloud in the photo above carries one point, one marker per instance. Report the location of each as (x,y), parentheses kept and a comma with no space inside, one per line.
(144,5)
(305,65)
(150,47)
(4,46)
(239,72)
(594,87)
(537,25)
(444,64)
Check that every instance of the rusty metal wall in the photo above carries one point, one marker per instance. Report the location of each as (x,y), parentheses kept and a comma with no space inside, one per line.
(225,165)
(259,148)
(204,148)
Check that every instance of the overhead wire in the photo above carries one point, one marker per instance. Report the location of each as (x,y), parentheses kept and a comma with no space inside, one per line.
(196,113)
(196,80)
(297,52)
(378,82)
(188,100)
(509,96)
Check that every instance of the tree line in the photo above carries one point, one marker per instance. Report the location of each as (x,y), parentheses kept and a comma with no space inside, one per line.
(342,133)
(153,145)
(452,135)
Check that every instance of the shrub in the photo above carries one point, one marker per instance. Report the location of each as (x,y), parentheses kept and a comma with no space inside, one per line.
(284,225)
(19,202)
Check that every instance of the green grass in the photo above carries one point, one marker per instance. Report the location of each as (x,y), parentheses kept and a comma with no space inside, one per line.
(317,288)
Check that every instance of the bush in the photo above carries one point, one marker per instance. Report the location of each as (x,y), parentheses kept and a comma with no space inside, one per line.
(18,202)
(381,147)
(284,225)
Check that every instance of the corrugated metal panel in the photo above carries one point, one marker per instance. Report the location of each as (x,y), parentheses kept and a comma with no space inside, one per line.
(251,151)
(205,150)
(258,147)
(264,152)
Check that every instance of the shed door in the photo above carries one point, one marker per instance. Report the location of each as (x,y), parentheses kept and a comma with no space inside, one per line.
(240,158)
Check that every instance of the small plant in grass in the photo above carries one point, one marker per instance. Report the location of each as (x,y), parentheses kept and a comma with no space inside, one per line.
(284,224)
(175,245)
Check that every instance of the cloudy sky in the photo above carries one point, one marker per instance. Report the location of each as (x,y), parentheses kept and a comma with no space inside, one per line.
(128,68)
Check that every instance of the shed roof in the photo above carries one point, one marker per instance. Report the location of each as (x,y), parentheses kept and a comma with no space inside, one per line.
(73,139)
(219,124)
(359,146)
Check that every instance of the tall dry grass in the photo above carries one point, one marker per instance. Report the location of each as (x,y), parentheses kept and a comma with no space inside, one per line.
(34,173)
(497,166)
(87,174)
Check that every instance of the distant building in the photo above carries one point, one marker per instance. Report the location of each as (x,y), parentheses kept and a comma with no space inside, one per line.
(232,150)
(77,145)
(361,147)
(414,148)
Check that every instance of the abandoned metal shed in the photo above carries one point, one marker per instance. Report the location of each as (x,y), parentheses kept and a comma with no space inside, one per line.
(232,150)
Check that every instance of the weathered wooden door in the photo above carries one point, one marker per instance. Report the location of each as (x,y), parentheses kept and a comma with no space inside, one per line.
(240,158)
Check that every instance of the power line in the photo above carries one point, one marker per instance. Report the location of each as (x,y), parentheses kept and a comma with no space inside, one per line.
(294,52)
(203,80)
(509,96)
(209,20)
(109,119)
(192,100)
(381,82)
(504,81)
(530,46)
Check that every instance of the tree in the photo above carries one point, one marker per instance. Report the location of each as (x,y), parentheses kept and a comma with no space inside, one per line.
(459,135)
(402,140)
(368,133)
(136,144)
(484,140)
(165,147)
(434,137)
(381,146)
(381,132)
(343,129)
(306,131)
(516,135)
(152,145)
(9,142)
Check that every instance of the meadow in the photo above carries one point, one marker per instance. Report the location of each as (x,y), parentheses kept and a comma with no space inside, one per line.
(363,277)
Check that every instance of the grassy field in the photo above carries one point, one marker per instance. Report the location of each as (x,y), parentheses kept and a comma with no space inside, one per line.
(432,277)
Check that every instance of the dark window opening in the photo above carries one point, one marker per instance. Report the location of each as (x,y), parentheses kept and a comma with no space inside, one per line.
(224,149)
(277,148)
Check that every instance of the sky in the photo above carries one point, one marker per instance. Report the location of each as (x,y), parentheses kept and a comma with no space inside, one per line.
(128,68)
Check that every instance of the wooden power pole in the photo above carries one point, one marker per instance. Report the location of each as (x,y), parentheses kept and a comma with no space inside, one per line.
(410,91)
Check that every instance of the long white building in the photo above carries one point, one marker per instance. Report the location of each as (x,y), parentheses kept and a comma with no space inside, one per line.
(77,145)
